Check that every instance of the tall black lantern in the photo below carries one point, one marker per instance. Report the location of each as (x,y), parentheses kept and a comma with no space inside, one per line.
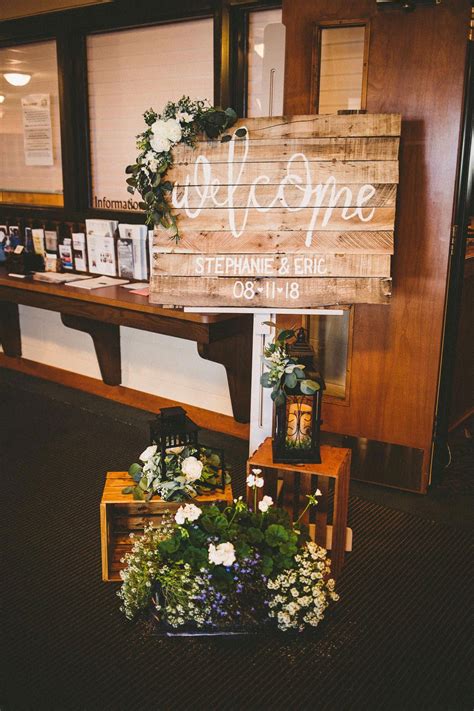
(296,422)
(173,428)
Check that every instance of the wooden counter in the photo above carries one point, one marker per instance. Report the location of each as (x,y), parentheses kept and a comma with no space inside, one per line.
(221,338)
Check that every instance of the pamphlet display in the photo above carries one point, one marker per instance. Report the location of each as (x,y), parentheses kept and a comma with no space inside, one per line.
(101,246)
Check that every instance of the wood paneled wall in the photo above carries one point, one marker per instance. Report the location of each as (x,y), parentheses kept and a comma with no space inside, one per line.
(416,67)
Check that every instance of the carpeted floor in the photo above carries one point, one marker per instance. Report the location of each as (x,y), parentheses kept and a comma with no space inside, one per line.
(398,639)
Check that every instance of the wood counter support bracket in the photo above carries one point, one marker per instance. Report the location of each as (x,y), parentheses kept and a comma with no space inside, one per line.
(106,338)
(10,334)
(235,354)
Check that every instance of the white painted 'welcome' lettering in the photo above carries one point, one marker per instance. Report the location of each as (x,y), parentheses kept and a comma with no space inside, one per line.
(298,174)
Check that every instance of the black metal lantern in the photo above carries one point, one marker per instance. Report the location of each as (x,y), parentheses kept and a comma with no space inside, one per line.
(297,421)
(173,428)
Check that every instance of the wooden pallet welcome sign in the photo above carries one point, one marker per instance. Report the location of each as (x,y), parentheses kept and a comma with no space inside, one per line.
(291,212)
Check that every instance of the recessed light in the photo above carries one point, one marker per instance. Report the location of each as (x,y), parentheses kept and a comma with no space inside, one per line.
(2,98)
(17,78)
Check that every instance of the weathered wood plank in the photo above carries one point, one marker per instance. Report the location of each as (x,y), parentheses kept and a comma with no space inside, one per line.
(266,292)
(325,125)
(272,265)
(383,218)
(255,242)
(274,149)
(385,196)
(275,171)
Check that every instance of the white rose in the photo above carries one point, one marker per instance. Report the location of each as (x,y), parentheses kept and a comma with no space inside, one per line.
(223,554)
(265,504)
(160,144)
(191,468)
(173,130)
(148,453)
(250,480)
(188,512)
(259,482)
(184,117)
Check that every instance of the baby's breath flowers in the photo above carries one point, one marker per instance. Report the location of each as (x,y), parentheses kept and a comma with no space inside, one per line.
(301,595)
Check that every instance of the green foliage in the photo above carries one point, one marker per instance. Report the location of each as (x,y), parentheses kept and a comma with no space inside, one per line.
(284,373)
(147,175)
(165,477)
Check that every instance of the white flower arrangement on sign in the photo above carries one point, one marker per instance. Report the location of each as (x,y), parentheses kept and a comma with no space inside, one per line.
(179,122)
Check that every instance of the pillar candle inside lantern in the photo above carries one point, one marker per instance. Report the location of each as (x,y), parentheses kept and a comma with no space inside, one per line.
(299,423)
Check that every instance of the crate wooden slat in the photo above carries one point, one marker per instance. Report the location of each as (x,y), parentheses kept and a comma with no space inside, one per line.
(121,515)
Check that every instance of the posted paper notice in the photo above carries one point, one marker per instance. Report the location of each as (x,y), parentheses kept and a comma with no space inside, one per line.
(37,133)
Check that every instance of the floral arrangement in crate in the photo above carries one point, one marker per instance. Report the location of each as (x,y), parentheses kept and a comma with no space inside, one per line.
(230,569)
(183,473)
(179,122)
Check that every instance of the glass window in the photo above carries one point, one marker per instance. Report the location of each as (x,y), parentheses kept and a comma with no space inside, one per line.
(266,63)
(341,69)
(329,336)
(30,138)
(129,72)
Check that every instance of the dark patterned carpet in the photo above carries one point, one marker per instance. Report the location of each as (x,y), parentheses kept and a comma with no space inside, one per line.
(398,639)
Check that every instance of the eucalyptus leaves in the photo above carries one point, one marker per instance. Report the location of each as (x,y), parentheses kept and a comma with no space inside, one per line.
(184,473)
(179,122)
(284,373)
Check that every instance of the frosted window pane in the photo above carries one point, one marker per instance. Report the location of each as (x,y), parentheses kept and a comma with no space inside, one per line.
(39,60)
(258,20)
(129,72)
(341,69)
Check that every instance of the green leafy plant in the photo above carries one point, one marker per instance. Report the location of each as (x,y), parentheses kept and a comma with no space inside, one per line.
(284,373)
(223,567)
(183,473)
(179,122)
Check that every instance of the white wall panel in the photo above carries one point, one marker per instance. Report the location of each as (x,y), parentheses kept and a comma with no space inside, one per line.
(131,71)
(151,363)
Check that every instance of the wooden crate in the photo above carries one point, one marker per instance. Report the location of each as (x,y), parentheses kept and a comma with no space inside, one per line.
(288,485)
(121,515)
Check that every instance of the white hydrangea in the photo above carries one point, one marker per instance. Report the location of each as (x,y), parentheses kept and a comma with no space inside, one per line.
(166,130)
(222,554)
(188,512)
(265,504)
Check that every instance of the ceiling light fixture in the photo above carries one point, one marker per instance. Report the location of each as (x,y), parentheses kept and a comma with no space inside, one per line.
(17,78)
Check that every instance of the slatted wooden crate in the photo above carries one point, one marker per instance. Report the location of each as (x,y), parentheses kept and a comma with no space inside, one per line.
(289,485)
(120,515)
(299,212)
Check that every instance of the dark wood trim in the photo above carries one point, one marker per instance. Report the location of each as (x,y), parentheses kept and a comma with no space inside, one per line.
(206,419)
(106,339)
(10,334)
(73,102)
(224,339)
